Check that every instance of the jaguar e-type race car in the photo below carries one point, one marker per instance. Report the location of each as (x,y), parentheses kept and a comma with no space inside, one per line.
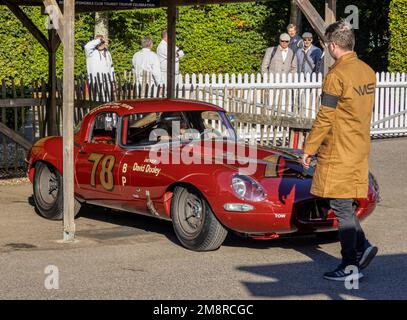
(182,161)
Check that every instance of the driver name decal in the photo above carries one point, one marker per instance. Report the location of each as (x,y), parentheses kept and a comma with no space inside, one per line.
(146,169)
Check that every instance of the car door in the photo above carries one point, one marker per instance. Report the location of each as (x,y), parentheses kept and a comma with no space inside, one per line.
(141,174)
(98,160)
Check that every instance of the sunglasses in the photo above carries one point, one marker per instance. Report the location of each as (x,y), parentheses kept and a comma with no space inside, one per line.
(307,39)
(284,41)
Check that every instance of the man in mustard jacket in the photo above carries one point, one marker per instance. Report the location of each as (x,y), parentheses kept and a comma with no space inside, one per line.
(341,136)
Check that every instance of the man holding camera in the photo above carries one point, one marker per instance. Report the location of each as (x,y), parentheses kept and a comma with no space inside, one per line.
(98,59)
(162,55)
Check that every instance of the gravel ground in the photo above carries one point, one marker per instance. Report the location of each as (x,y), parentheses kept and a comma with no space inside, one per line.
(125,256)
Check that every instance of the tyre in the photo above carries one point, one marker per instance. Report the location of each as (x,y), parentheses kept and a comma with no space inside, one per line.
(48,192)
(194,223)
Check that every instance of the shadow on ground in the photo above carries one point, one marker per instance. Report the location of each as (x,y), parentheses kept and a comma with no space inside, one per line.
(385,278)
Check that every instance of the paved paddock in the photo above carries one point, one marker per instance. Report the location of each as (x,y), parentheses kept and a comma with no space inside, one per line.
(120,255)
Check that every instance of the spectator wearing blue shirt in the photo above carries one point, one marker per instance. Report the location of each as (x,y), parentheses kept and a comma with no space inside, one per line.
(309,56)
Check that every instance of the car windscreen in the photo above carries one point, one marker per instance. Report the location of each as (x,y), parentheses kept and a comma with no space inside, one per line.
(169,126)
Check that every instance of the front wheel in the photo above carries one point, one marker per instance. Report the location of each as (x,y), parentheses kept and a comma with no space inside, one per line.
(48,192)
(194,223)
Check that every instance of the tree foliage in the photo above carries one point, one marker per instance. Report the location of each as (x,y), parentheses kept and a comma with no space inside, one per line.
(216,38)
(372,34)
(398,39)
(22,57)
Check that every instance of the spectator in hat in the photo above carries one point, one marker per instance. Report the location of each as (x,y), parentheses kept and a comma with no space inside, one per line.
(309,56)
(295,40)
(279,59)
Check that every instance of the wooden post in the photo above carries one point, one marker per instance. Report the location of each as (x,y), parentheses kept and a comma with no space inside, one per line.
(171,54)
(52,83)
(68,120)
(330,17)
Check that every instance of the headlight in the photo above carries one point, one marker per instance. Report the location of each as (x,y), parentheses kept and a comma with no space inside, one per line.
(247,188)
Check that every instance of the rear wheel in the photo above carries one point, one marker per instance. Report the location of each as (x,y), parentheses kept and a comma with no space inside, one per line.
(48,192)
(194,223)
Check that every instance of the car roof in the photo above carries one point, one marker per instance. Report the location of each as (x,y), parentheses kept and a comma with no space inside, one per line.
(125,107)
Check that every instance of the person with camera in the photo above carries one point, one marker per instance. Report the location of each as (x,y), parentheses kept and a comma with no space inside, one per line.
(98,59)
(162,55)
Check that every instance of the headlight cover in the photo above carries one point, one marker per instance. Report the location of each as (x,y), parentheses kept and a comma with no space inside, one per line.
(247,188)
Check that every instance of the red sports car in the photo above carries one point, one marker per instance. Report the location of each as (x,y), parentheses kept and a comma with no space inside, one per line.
(182,161)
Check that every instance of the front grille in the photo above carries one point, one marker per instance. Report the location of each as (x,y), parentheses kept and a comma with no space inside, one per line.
(313,211)
(317,211)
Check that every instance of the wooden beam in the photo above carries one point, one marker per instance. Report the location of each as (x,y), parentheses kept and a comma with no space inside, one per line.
(162,3)
(330,17)
(68,120)
(25,20)
(52,8)
(20,102)
(330,11)
(15,136)
(171,55)
(312,15)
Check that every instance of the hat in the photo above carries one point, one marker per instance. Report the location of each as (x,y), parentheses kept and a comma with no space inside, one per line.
(307,35)
(285,37)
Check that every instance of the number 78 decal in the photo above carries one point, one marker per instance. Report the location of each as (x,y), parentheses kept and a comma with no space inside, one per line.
(106,175)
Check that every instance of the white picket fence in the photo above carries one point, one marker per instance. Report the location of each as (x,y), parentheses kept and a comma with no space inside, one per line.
(295,96)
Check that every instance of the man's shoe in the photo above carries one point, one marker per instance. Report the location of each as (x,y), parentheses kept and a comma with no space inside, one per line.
(344,272)
(367,256)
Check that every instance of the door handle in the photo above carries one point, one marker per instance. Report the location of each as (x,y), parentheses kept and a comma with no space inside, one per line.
(80,147)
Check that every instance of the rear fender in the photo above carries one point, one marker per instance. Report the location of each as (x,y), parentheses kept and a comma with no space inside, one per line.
(48,150)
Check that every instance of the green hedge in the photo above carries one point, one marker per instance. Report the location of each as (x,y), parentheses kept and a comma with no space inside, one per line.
(215,38)
(398,36)
(22,57)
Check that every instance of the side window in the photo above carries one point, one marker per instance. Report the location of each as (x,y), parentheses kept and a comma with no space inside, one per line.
(104,128)
(213,121)
(136,128)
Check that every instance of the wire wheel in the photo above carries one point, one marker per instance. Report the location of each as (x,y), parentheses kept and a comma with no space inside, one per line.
(191,214)
(195,225)
(49,187)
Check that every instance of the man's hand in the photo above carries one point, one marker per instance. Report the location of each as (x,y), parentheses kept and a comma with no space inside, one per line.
(306,160)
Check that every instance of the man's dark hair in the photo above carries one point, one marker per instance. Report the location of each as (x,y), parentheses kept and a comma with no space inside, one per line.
(342,34)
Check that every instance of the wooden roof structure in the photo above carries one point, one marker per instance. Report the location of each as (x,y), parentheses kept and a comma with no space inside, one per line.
(64,12)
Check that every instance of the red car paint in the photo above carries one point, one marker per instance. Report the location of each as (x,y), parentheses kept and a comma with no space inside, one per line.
(288,192)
